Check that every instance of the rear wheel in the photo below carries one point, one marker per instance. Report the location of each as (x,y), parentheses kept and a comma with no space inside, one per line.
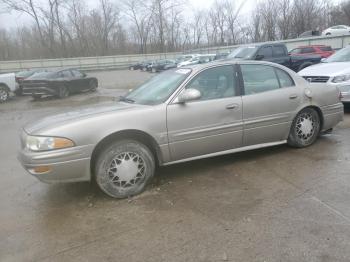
(124,168)
(305,128)
(63,92)
(92,85)
(36,97)
(4,94)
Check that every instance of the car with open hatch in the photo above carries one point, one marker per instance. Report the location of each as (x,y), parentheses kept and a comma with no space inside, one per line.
(179,115)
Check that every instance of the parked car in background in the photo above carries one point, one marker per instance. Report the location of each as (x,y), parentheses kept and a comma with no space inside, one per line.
(8,86)
(333,71)
(162,65)
(136,66)
(199,59)
(180,115)
(337,30)
(144,66)
(22,75)
(310,33)
(184,58)
(219,56)
(276,53)
(322,50)
(58,82)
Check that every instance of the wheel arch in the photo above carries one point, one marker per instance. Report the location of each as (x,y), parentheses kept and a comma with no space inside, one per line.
(133,134)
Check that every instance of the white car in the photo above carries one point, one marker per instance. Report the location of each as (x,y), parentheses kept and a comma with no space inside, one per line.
(198,59)
(8,86)
(335,71)
(337,30)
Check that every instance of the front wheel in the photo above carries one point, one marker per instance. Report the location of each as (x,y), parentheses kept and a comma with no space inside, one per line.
(4,94)
(63,92)
(305,128)
(124,168)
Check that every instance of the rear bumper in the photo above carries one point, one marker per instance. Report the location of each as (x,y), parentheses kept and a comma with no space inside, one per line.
(332,115)
(38,91)
(66,165)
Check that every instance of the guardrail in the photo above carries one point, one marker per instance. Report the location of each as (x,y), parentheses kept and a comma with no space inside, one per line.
(123,61)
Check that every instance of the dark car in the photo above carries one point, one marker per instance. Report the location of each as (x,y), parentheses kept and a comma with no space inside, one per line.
(22,75)
(162,65)
(220,56)
(276,53)
(136,66)
(59,83)
(310,33)
(144,66)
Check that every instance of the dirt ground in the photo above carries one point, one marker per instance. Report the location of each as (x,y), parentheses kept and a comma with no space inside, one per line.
(275,204)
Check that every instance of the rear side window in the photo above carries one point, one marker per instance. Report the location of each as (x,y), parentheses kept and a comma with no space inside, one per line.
(259,78)
(326,48)
(284,78)
(77,73)
(278,51)
(307,50)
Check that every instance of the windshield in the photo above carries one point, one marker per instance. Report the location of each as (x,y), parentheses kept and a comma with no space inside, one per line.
(243,52)
(159,88)
(340,56)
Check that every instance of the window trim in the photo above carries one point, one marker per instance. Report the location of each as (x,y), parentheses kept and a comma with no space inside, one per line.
(274,68)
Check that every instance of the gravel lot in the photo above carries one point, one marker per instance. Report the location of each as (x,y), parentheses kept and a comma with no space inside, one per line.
(275,204)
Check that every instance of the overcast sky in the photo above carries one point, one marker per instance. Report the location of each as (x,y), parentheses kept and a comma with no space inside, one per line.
(15,19)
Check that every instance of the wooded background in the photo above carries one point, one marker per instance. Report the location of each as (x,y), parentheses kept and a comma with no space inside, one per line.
(69,28)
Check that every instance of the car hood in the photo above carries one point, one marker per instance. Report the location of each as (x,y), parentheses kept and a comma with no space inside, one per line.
(326,69)
(78,115)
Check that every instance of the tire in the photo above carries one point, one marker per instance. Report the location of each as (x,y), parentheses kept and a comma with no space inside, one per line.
(305,128)
(132,68)
(36,97)
(136,166)
(4,94)
(63,92)
(92,85)
(154,70)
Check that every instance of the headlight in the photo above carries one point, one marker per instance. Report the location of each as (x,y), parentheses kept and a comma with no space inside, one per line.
(342,78)
(41,143)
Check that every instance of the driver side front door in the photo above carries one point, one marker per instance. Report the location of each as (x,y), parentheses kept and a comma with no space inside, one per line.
(210,124)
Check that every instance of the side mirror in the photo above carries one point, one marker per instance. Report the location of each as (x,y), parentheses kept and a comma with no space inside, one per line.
(259,57)
(189,95)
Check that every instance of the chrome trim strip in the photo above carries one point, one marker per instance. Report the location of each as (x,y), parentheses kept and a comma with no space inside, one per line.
(235,150)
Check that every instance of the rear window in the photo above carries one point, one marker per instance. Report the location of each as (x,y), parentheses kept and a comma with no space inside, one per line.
(326,48)
(306,50)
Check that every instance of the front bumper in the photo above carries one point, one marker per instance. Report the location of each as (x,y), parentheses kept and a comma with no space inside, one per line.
(65,165)
(38,91)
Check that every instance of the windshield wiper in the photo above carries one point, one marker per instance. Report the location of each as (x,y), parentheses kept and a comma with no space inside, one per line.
(125,99)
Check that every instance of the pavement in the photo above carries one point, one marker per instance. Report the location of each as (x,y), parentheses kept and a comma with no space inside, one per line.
(273,204)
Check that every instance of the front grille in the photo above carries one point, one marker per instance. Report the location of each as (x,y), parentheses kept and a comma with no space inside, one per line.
(316,79)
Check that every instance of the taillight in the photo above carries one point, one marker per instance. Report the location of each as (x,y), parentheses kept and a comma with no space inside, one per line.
(340,96)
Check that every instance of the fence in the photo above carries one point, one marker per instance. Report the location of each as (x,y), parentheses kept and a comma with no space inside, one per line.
(123,61)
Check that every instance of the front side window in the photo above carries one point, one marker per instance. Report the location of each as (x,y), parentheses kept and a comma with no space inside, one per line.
(266,51)
(259,78)
(215,83)
(278,51)
(76,73)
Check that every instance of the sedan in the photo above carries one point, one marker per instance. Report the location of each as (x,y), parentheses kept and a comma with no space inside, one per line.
(59,82)
(179,115)
(333,71)
(337,30)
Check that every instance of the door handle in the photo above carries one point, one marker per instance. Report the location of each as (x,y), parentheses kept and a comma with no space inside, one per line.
(293,96)
(232,106)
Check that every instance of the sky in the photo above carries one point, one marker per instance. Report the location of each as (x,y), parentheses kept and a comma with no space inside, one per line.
(14,19)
